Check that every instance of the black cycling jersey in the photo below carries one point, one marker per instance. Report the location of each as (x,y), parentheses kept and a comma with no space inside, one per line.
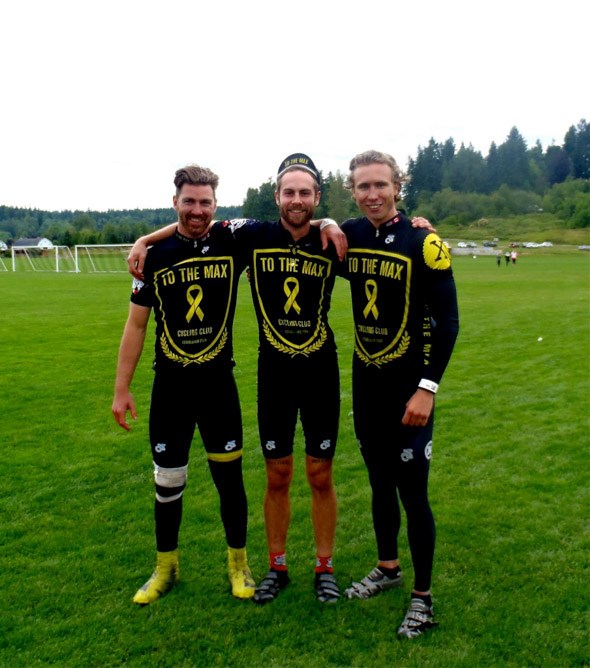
(192,284)
(291,284)
(406,322)
(403,298)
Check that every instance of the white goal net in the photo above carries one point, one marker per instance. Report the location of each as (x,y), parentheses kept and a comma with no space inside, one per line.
(101,258)
(33,258)
(89,258)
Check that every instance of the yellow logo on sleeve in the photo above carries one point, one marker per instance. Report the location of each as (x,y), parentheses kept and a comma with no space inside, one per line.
(436,254)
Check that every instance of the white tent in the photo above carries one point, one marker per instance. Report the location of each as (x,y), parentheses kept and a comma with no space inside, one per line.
(38,242)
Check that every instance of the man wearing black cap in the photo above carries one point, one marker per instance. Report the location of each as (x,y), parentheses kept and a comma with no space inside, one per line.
(291,280)
(292,277)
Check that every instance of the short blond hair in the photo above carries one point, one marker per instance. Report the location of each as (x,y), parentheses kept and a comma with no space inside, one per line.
(376,158)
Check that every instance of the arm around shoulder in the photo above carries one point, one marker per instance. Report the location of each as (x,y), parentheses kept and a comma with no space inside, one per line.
(138,252)
(330,232)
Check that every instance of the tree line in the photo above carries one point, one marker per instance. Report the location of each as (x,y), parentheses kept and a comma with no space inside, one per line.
(448,185)
(460,186)
(68,228)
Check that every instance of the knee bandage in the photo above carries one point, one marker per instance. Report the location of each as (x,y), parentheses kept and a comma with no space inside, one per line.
(170,480)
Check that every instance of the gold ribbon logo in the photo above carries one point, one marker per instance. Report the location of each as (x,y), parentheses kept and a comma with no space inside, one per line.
(291,294)
(371,294)
(195,309)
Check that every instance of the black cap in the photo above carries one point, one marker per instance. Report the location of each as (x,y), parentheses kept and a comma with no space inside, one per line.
(301,161)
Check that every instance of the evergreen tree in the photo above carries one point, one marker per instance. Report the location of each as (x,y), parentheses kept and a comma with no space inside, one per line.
(465,172)
(260,202)
(493,170)
(577,145)
(448,151)
(557,165)
(340,205)
(514,164)
(426,172)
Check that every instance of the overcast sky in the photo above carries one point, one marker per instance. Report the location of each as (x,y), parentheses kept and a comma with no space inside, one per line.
(102,101)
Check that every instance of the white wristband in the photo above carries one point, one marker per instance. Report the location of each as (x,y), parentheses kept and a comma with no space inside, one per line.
(429,385)
(327,221)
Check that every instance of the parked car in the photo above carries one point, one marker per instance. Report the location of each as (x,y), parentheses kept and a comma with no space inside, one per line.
(547,244)
(489,244)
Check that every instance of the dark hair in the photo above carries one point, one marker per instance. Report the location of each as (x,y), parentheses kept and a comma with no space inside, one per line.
(194,175)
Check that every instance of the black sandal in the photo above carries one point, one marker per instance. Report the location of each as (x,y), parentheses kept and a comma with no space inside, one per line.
(326,588)
(270,586)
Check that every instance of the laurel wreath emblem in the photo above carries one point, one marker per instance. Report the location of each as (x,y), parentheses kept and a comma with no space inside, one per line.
(185,361)
(282,348)
(379,361)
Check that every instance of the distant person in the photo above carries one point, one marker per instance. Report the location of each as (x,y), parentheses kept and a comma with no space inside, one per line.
(406,322)
(190,282)
(507,257)
(498,259)
(513,256)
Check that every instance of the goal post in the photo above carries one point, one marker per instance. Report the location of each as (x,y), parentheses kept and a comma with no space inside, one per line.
(34,258)
(100,258)
(86,258)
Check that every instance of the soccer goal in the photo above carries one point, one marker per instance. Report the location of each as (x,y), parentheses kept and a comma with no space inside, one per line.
(33,258)
(101,258)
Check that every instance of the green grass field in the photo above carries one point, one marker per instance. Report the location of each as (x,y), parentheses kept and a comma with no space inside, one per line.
(509,487)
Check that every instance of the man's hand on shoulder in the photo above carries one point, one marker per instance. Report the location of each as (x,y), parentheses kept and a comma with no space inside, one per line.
(137,255)
(423,223)
(136,258)
(331,232)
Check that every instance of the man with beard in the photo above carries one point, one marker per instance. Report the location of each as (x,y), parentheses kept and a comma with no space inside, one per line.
(190,281)
(292,278)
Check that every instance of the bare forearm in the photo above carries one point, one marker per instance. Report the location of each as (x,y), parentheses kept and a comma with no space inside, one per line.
(129,354)
(157,235)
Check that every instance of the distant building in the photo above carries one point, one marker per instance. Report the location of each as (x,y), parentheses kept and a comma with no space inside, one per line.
(38,242)
(3,246)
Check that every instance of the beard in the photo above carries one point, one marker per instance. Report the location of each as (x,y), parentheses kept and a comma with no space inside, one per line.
(298,217)
(193,226)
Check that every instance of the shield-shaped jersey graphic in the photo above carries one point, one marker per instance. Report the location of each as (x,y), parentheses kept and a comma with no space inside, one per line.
(289,288)
(380,289)
(202,290)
